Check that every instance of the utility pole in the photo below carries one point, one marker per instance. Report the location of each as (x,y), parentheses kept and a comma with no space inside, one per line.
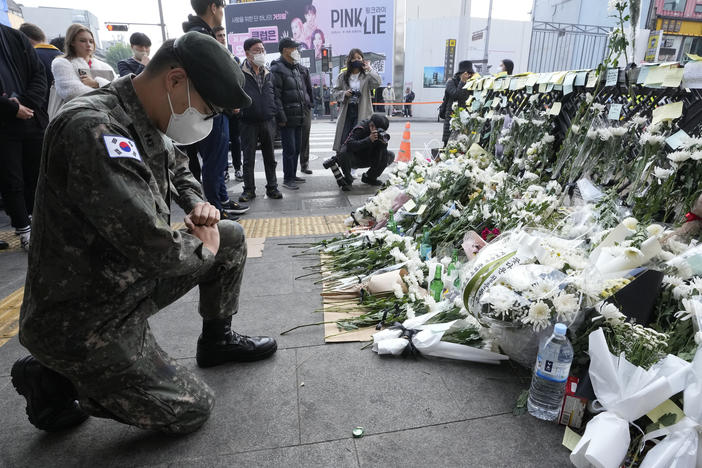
(163,24)
(487,37)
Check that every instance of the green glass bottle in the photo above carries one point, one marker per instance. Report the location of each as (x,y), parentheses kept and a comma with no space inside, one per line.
(453,269)
(392,224)
(437,285)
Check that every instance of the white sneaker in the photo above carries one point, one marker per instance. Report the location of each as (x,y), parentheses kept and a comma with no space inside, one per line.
(24,240)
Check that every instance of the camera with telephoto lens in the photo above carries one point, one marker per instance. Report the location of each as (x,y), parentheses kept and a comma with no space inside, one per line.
(333,164)
(382,135)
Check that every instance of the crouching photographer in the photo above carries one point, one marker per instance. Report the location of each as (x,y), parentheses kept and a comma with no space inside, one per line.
(366,146)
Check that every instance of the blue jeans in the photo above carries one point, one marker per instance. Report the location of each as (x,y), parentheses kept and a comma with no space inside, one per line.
(291,138)
(214,150)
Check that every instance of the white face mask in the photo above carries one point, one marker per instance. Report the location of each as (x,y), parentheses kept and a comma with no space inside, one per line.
(259,59)
(139,54)
(295,55)
(189,127)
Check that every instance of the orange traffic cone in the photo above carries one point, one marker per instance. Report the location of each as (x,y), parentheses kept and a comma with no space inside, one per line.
(404,153)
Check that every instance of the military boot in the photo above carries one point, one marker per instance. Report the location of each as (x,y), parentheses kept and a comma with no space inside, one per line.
(51,397)
(218,344)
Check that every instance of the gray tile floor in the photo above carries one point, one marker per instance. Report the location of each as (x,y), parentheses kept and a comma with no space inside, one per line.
(298,408)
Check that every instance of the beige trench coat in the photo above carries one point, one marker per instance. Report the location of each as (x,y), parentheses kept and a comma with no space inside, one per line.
(369,81)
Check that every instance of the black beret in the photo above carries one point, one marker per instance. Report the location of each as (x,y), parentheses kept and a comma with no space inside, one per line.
(465,66)
(286,43)
(213,71)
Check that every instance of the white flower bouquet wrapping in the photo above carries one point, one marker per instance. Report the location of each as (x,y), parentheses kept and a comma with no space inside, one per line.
(681,446)
(627,392)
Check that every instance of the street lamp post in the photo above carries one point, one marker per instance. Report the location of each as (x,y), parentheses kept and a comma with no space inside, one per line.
(487,36)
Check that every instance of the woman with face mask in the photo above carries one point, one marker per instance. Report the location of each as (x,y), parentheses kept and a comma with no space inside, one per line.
(353,92)
(78,72)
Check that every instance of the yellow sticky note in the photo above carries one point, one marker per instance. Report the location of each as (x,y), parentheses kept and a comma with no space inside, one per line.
(570,439)
(409,205)
(668,112)
(694,57)
(532,79)
(655,76)
(555,109)
(673,77)
(557,78)
(664,408)
(502,73)
(488,83)
(421,209)
(521,82)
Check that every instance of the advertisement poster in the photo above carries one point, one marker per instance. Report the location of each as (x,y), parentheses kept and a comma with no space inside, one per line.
(434,77)
(365,24)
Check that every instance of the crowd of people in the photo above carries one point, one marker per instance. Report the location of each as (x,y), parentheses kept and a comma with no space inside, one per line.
(114,151)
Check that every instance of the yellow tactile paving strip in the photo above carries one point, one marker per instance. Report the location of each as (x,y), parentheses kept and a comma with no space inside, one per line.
(254,227)
(9,315)
(10,238)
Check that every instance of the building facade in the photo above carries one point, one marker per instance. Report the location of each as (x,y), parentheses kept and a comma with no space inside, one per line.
(55,21)
(680,24)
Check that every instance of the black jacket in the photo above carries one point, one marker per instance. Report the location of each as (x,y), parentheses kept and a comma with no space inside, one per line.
(262,106)
(290,95)
(308,85)
(195,23)
(47,54)
(359,140)
(128,66)
(29,73)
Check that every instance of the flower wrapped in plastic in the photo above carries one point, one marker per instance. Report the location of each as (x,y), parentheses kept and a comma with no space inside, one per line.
(444,340)
(520,285)
(627,392)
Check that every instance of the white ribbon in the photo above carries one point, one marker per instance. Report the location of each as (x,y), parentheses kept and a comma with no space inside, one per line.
(627,392)
(681,446)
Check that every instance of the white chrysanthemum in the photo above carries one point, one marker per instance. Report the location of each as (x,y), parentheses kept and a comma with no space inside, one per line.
(604,134)
(543,289)
(539,315)
(639,120)
(566,305)
(679,156)
(397,289)
(698,338)
(649,138)
(618,131)
(575,129)
(691,308)
(670,280)
(611,313)
(654,230)
(681,291)
(630,223)
(591,134)
(696,155)
(662,174)
(548,138)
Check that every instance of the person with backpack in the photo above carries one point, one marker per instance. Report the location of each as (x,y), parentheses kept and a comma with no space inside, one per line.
(455,93)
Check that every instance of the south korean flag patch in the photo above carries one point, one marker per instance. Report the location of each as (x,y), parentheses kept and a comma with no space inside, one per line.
(120,147)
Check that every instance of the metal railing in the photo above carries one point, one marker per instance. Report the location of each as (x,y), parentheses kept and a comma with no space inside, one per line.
(563,46)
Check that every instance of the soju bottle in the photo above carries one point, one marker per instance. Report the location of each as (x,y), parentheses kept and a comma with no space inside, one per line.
(453,269)
(392,225)
(425,245)
(437,285)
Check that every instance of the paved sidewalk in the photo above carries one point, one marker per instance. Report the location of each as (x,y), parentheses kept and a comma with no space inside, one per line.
(298,408)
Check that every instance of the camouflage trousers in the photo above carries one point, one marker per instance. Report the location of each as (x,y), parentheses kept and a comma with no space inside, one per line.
(133,380)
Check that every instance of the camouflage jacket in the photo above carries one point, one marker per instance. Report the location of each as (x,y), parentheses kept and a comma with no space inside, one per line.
(101,234)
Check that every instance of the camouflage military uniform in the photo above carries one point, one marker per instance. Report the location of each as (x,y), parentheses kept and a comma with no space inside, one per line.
(104,258)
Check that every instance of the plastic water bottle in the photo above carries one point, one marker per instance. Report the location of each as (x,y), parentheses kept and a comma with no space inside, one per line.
(550,375)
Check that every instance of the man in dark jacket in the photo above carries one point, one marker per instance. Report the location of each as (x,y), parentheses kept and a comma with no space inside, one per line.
(23,119)
(141,46)
(256,124)
(367,146)
(291,102)
(455,93)
(307,121)
(409,97)
(46,52)
(215,148)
